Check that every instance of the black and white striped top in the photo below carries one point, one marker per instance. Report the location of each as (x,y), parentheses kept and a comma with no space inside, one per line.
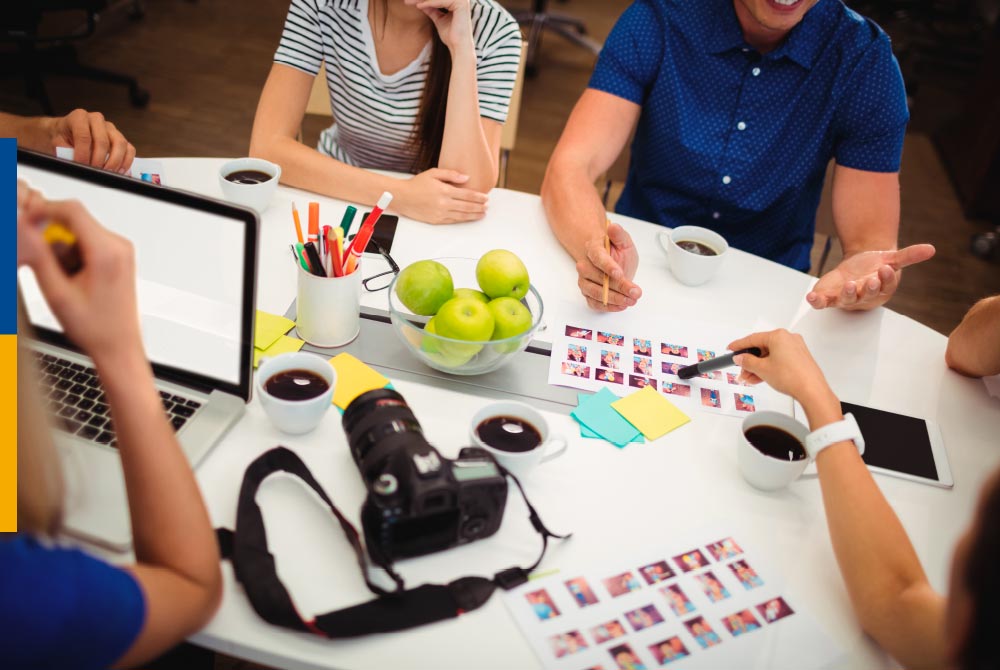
(375,114)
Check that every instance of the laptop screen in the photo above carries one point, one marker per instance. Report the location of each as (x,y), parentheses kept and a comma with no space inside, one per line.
(193,263)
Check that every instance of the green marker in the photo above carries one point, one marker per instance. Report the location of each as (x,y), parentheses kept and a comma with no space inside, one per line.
(300,252)
(348,220)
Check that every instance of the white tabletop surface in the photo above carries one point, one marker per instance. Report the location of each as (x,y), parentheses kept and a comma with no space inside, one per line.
(611,499)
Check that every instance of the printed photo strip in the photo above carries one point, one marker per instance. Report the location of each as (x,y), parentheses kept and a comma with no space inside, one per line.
(679,350)
(711,398)
(677,600)
(748,576)
(705,355)
(643,617)
(542,605)
(567,643)
(669,650)
(642,347)
(610,359)
(635,381)
(621,584)
(656,572)
(691,560)
(682,390)
(712,587)
(741,622)
(575,369)
(605,337)
(609,376)
(774,610)
(607,631)
(702,632)
(579,333)
(625,657)
(642,365)
(724,549)
(581,592)
(744,402)
(576,353)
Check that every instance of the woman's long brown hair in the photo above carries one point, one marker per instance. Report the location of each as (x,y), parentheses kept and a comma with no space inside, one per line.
(428,133)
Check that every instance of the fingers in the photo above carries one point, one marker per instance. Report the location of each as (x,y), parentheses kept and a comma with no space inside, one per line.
(916,253)
(129,157)
(36,254)
(593,276)
(466,194)
(817,300)
(118,147)
(760,340)
(101,142)
(78,127)
(619,238)
(593,291)
(752,367)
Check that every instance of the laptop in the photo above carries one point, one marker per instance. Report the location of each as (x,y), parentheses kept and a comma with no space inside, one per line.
(196,262)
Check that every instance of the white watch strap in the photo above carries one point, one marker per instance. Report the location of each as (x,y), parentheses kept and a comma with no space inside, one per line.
(839,431)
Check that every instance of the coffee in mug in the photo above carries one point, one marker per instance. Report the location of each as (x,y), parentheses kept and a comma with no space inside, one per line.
(697,248)
(509,433)
(776,443)
(296,385)
(248,177)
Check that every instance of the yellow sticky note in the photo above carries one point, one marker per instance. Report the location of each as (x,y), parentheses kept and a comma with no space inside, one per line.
(283,344)
(353,379)
(650,412)
(269,328)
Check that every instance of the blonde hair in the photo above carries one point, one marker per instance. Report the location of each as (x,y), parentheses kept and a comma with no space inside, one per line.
(39,473)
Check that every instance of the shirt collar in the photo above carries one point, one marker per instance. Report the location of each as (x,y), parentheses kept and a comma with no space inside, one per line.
(802,45)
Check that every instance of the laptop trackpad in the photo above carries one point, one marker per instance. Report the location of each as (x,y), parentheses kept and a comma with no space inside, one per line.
(96,502)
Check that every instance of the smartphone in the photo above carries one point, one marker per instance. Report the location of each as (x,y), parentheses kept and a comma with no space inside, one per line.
(899,445)
(384,233)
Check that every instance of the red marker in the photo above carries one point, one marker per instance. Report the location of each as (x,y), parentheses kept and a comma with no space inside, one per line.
(360,240)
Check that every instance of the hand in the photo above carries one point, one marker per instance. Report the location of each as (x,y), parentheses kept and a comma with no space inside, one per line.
(95,141)
(454,26)
(785,364)
(866,280)
(96,306)
(620,266)
(433,196)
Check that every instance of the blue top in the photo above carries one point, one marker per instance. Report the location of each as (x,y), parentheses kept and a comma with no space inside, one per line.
(738,142)
(60,608)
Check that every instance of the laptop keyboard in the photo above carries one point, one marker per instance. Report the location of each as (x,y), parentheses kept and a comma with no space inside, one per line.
(74,395)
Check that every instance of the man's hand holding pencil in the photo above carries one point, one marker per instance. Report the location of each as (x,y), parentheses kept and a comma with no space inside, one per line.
(617,263)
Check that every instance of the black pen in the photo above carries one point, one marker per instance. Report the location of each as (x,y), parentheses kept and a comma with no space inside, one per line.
(690,371)
(316,265)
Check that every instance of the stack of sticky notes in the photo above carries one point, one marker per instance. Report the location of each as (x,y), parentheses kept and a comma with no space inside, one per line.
(644,414)
(269,337)
(353,379)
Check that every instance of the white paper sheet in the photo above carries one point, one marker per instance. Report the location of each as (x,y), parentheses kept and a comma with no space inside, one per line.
(574,620)
(623,352)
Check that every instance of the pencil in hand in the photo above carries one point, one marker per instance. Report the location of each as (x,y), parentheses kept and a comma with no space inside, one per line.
(607,248)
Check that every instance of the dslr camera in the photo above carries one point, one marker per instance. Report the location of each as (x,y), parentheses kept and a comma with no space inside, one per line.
(418,501)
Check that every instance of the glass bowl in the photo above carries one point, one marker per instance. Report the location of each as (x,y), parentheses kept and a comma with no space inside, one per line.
(460,357)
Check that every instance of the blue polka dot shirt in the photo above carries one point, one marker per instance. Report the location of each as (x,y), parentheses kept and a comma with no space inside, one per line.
(739,142)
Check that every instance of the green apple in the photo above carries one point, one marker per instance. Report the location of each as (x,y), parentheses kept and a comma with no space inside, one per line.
(471,293)
(510,318)
(465,319)
(501,274)
(424,286)
(430,344)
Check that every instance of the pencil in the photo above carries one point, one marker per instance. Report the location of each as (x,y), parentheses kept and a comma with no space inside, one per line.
(298,224)
(607,248)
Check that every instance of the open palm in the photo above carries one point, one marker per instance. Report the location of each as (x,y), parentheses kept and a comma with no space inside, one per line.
(867,279)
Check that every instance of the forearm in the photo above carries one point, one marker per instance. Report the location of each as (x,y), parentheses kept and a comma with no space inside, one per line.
(170,525)
(974,346)
(306,168)
(464,147)
(572,206)
(31,132)
(886,584)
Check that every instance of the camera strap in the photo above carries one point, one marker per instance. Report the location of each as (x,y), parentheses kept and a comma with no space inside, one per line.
(398,609)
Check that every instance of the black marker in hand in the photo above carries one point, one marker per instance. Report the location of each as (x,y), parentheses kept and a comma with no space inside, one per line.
(726,361)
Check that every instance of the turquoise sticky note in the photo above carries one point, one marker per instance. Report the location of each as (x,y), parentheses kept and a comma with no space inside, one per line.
(588,433)
(595,412)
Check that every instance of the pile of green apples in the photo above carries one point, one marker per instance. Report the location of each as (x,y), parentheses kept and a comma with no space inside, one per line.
(475,316)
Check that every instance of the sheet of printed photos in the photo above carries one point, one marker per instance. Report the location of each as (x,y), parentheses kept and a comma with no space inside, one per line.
(705,605)
(625,359)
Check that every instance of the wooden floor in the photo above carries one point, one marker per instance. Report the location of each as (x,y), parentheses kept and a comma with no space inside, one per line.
(205,62)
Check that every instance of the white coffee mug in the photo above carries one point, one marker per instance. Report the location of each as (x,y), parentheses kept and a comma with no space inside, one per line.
(520,463)
(295,416)
(767,472)
(691,268)
(255,196)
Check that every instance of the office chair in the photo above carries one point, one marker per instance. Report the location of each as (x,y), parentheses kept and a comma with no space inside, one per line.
(37,55)
(538,19)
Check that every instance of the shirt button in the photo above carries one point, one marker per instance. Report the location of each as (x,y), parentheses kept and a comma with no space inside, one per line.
(741,126)
(726,179)
(715,215)
(755,71)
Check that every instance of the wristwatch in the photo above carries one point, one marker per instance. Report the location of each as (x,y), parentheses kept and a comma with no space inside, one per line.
(838,431)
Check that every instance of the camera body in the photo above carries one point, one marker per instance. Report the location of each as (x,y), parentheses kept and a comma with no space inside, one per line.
(418,501)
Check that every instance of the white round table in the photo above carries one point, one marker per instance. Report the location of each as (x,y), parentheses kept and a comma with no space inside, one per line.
(612,500)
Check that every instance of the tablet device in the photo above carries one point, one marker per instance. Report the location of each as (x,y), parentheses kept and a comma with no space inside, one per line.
(898,445)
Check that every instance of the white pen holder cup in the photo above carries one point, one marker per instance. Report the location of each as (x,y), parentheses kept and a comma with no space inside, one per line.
(328,309)
(519,463)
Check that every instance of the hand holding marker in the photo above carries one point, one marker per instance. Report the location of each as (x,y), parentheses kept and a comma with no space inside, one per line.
(717,363)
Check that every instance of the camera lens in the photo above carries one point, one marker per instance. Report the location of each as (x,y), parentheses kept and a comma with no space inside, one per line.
(377,423)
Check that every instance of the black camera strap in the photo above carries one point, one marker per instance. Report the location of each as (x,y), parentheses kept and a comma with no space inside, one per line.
(399,609)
